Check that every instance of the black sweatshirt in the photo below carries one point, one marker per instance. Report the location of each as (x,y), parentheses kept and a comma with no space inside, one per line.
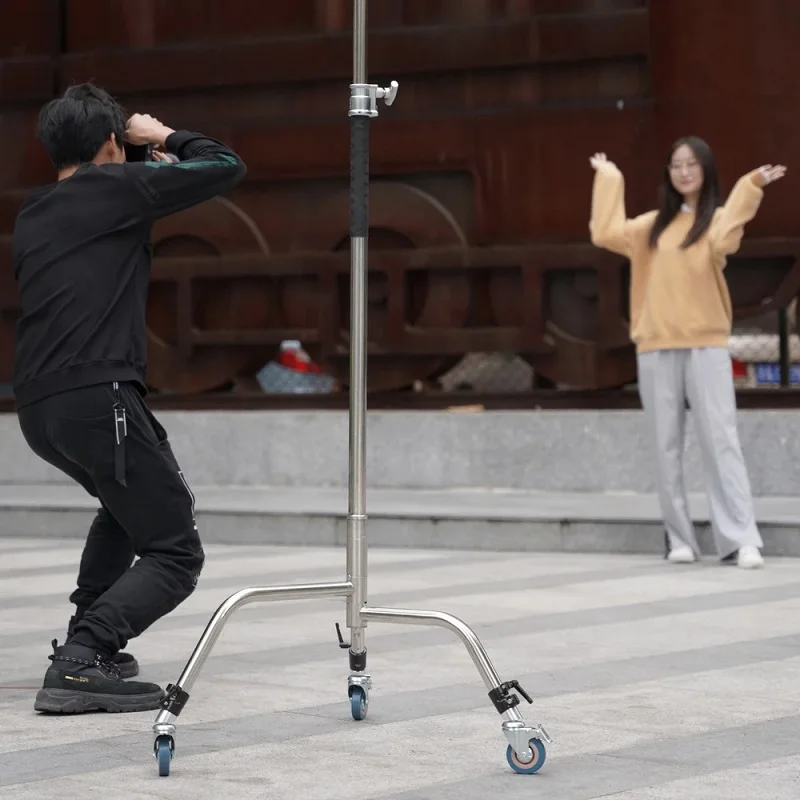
(82,262)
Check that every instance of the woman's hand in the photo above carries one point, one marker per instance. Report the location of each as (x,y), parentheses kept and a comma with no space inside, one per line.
(770,174)
(598,159)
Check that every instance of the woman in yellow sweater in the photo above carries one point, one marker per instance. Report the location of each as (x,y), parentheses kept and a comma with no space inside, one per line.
(680,322)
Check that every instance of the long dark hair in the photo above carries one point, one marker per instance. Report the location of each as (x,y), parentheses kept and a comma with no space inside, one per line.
(671,200)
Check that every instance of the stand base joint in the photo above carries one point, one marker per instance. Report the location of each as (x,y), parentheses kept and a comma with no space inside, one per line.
(504,700)
(358,661)
(174,700)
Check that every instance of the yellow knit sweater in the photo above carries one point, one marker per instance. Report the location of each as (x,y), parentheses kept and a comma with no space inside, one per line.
(678,298)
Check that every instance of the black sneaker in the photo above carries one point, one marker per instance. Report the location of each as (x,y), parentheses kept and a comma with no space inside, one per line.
(80,679)
(127,664)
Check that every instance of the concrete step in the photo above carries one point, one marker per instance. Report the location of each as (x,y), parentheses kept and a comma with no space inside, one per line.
(468,518)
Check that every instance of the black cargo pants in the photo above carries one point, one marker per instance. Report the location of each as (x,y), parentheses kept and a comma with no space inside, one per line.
(147,509)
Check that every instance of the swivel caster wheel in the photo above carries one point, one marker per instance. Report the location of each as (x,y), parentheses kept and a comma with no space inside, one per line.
(536,762)
(164,748)
(359,702)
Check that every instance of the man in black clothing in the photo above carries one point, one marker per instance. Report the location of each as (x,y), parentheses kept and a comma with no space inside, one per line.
(82,262)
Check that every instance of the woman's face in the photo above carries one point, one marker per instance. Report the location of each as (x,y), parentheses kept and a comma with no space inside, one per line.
(685,172)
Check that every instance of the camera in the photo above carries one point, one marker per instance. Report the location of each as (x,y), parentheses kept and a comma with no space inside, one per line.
(138,152)
(144,152)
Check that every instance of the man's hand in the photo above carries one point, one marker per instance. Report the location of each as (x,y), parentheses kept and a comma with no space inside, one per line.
(166,158)
(144,129)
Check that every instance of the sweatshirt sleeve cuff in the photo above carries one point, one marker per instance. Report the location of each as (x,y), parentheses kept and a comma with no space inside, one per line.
(755,180)
(176,140)
(607,168)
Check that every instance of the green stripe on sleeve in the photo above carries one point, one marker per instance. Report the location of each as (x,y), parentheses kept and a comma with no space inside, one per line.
(221,161)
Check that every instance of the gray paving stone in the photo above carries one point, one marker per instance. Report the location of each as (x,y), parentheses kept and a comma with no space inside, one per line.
(656,682)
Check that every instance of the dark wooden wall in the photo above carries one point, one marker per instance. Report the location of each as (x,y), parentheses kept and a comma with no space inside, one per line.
(481,181)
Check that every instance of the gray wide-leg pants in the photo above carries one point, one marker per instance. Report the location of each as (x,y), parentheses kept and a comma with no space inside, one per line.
(705,377)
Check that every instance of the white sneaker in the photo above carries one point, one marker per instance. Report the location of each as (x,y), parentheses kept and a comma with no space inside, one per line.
(749,558)
(682,555)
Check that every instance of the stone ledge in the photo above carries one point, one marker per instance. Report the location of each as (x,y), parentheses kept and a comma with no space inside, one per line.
(478,519)
(550,451)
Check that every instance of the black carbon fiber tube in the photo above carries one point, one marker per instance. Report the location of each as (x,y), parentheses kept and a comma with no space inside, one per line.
(359,176)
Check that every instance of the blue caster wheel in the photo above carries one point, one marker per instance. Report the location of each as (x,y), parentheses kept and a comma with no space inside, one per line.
(527,767)
(164,748)
(359,702)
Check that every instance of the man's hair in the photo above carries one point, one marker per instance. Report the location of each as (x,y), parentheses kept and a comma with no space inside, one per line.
(76,125)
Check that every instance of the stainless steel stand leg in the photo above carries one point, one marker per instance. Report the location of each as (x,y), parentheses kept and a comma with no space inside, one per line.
(526,750)
(178,695)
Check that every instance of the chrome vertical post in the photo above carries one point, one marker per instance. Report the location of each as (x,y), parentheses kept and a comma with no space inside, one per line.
(359,231)
(363,107)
